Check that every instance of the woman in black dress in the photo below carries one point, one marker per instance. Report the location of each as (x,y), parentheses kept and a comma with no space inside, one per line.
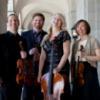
(57,40)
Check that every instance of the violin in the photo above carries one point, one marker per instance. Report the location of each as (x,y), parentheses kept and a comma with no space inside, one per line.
(81,71)
(24,75)
(20,74)
(80,74)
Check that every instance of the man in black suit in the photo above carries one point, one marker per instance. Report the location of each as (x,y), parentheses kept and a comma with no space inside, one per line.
(33,39)
(9,54)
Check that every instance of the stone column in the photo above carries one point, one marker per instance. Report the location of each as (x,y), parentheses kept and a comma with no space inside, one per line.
(3,15)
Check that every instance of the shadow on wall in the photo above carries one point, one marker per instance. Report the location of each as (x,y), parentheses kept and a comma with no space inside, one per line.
(99,72)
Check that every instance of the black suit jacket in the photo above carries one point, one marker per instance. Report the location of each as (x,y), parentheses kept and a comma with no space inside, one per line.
(33,39)
(9,54)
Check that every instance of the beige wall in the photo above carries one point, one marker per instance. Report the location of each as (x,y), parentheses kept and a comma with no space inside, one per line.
(3,15)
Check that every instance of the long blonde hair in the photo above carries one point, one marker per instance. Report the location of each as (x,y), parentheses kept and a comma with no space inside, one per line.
(50,28)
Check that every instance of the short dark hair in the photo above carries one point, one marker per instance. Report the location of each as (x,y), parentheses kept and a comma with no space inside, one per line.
(39,14)
(87,25)
(13,14)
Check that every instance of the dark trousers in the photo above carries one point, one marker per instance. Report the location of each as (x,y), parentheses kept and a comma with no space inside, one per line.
(3,93)
(31,93)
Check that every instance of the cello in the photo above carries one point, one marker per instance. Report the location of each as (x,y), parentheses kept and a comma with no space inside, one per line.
(24,75)
(52,84)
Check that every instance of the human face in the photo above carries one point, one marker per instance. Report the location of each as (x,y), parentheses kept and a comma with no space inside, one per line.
(81,28)
(57,21)
(37,22)
(12,23)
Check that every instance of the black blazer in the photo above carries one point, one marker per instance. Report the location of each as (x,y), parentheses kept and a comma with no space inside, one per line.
(9,54)
(33,39)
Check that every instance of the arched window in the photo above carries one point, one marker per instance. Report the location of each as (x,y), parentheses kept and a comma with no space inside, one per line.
(10,7)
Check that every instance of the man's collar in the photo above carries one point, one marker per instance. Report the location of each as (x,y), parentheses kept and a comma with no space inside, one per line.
(37,31)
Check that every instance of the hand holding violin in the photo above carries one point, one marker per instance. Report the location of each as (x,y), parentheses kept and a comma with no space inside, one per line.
(23,54)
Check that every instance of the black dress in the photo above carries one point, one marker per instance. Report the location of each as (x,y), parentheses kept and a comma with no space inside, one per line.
(57,47)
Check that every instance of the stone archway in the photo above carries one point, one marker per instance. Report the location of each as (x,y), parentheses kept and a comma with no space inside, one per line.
(48,8)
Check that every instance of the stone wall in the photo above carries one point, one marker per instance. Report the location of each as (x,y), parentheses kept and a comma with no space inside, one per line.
(3,15)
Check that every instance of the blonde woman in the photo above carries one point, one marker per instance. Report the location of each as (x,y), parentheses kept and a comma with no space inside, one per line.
(57,40)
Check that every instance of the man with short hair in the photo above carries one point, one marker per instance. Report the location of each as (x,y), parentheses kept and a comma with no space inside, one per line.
(10,53)
(33,39)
